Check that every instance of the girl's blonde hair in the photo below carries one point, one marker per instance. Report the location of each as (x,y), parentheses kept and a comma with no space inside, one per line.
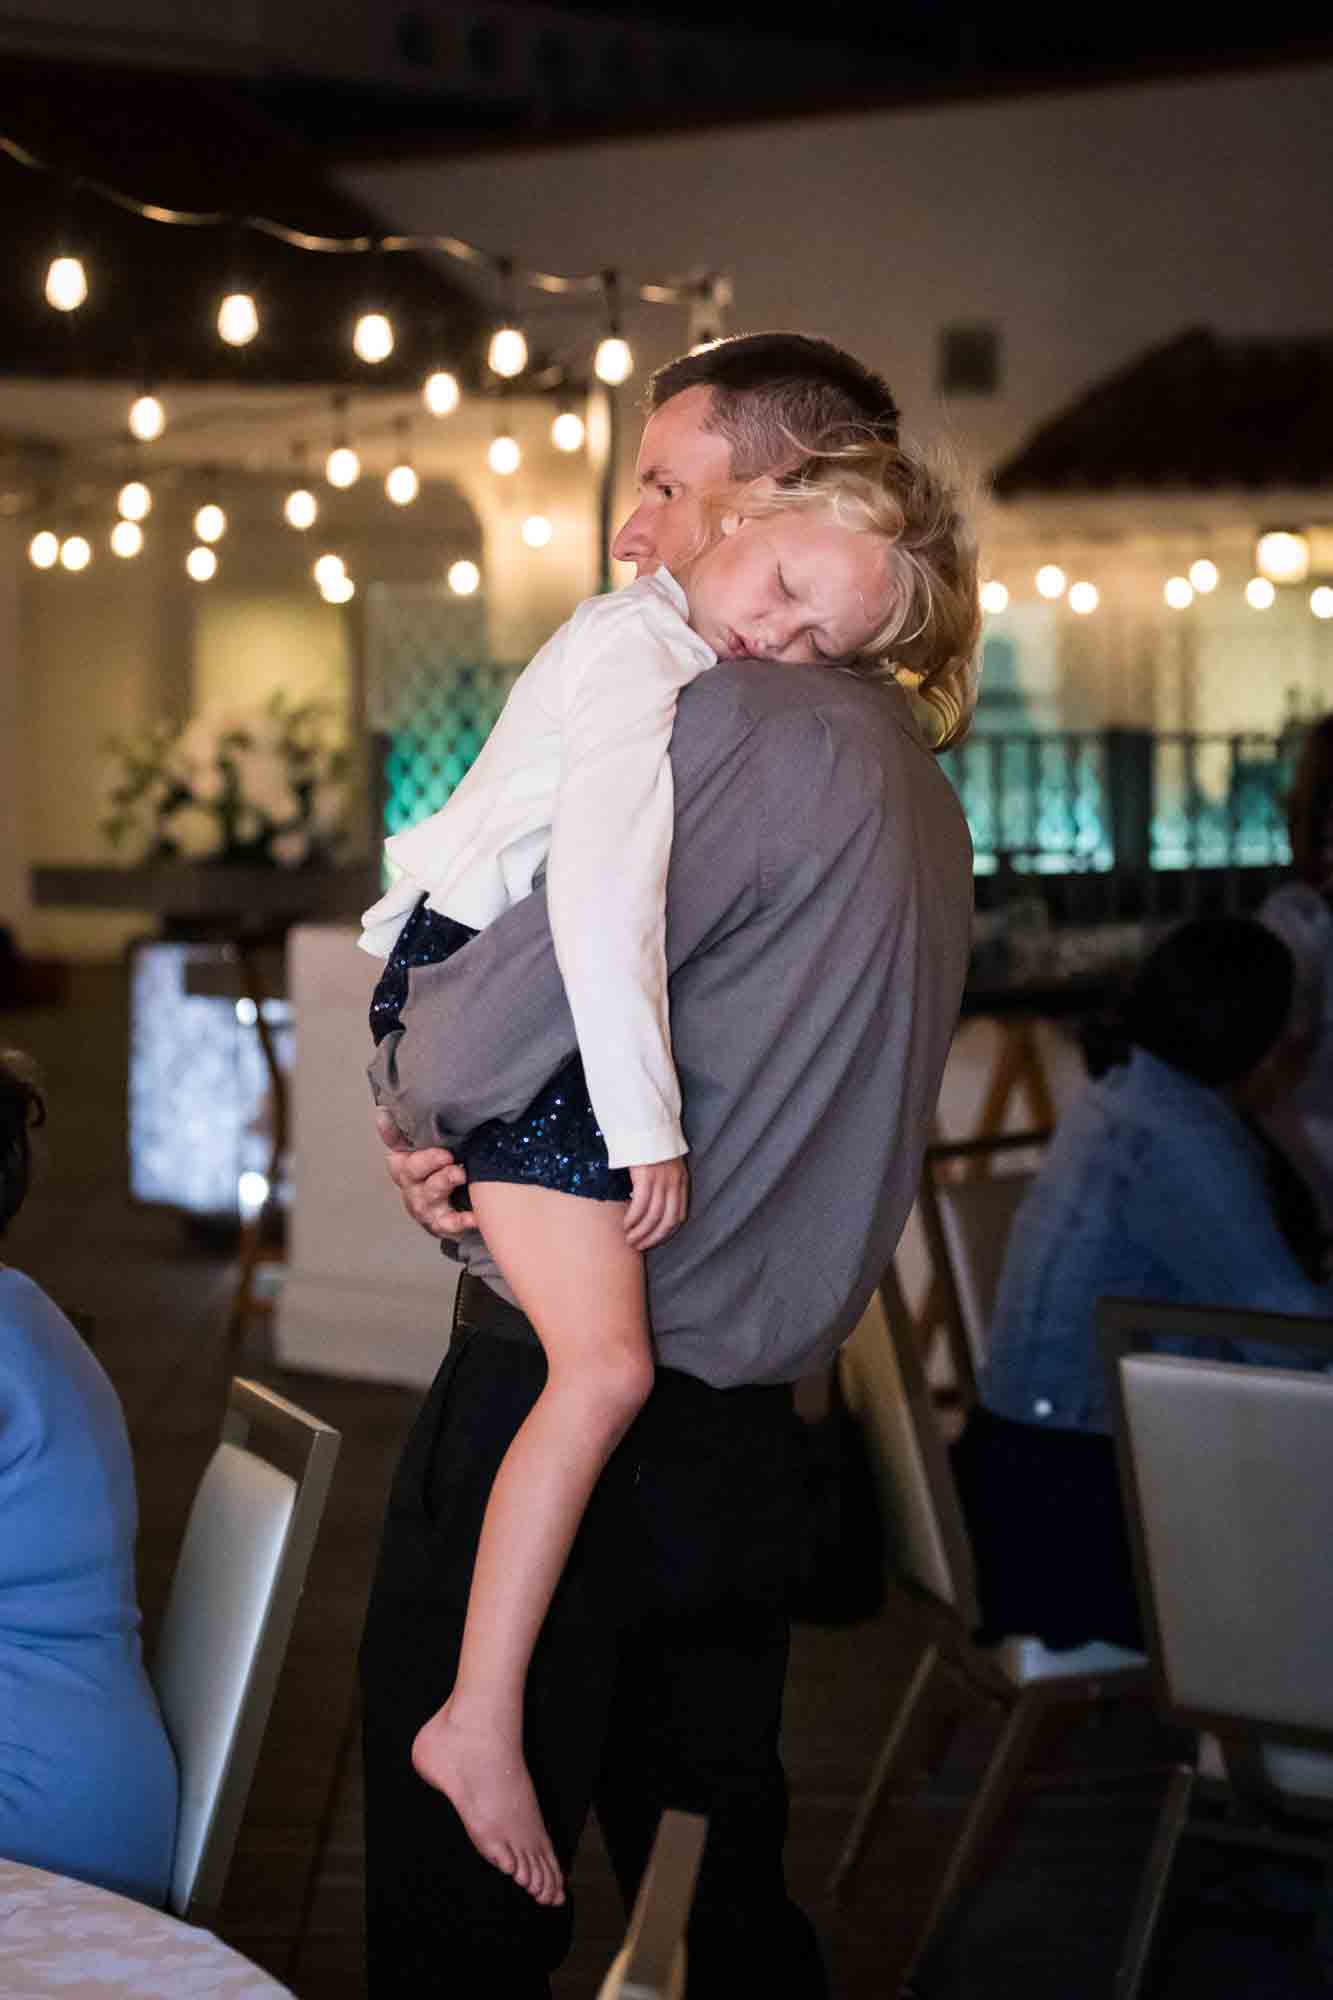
(929,641)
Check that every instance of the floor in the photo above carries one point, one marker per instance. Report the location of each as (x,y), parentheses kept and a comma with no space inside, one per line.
(1047,1921)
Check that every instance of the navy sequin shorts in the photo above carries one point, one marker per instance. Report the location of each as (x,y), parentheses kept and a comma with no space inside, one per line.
(557,1142)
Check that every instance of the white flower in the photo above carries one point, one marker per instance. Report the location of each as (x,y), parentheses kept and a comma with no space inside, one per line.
(328,810)
(248,825)
(208,782)
(289,850)
(262,778)
(195,830)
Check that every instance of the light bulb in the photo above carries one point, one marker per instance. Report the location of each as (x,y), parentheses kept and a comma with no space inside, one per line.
(402,485)
(300,508)
(76,552)
(148,419)
(202,564)
(1260,593)
(1084,598)
(613,362)
(1204,575)
(327,567)
(44,550)
(508,352)
(342,467)
(372,339)
(537,531)
(504,455)
(238,319)
(338,590)
(210,523)
(66,284)
(134,501)
(994,597)
(1051,580)
(464,578)
(126,538)
(1321,601)
(440,393)
(568,431)
(1283,557)
(1178,592)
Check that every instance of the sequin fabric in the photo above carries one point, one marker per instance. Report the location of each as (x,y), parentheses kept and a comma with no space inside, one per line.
(557,1142)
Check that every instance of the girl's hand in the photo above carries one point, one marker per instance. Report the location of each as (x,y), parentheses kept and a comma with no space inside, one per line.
(660,1204)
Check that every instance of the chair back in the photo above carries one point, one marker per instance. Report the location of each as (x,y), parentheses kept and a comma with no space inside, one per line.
(1227,1471)
(229,1614)
(967,1222)
(883,1380)
(651,1963)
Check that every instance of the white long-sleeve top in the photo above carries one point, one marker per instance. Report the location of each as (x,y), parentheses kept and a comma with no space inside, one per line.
(576,772)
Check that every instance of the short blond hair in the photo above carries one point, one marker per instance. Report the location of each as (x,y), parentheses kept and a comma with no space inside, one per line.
(914,503)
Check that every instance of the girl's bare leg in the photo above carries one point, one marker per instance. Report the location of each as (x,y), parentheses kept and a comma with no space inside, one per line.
(568,1264)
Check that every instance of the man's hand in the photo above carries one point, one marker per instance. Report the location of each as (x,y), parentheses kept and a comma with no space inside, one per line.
(660,1203)
(425,1179)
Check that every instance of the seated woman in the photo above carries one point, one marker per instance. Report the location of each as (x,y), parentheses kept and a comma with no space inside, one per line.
(1158,1184)
(87,1776)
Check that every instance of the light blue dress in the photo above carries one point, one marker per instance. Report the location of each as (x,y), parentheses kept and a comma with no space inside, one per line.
(87,1776)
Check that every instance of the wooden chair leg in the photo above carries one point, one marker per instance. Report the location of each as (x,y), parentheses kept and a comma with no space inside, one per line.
(908,1736)
(1151,1898)
(983,1816)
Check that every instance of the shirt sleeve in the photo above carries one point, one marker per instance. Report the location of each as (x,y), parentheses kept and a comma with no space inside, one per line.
(607,867)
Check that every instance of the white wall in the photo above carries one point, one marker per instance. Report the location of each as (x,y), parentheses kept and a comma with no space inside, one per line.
(1086,227)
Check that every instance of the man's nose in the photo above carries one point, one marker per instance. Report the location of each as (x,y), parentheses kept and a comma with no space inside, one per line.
(633,540)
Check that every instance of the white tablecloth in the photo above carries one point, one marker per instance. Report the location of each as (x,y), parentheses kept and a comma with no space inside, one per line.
(58,1936)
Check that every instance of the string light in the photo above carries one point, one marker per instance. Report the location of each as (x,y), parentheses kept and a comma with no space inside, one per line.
(537,531)
(238,319)
(1204,576)
(507,354)
(994,597)
(1283,557)
(44,549)
(148,419)
(1321,601)
(1178,592)
(613,362)
(134,502)
(464,577)
(568,431)
(440,393)
(1084,598)
(372,337)
(300,508)
(75,552)
(326,568)
(126,538)
(504,455)
(342,467)
(202,564)
(210,523)
(402,484)
(66,284)
(338,589)
(1260,593)
(1051,580)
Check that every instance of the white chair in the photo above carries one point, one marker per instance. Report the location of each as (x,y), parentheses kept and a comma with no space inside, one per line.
(1227,1472)
(237,1583)
(651,1963)
(966,1216)
(930,1564)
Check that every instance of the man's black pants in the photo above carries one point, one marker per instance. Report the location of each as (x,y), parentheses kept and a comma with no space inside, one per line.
(657,1680)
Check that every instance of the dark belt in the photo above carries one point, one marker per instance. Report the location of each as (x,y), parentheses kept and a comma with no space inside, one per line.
(477,1309)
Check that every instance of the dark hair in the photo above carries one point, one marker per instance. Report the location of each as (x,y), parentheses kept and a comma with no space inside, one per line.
(1211,1000)
(21,1108)
(777,394)
(1310,806)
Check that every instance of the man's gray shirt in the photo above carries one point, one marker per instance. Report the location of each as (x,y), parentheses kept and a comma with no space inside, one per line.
(818,912)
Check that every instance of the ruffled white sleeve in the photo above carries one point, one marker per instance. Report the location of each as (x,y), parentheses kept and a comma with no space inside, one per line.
(628,658)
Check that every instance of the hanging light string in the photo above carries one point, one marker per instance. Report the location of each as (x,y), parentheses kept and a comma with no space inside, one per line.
(671,292)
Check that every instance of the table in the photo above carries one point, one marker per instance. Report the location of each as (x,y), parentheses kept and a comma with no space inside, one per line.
(58,1936)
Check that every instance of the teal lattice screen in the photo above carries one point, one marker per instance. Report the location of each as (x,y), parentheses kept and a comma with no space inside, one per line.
(432,694)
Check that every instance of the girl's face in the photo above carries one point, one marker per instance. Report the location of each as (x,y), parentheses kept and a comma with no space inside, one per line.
(793,586)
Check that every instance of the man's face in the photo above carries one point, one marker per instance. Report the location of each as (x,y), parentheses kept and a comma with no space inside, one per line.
(679,462)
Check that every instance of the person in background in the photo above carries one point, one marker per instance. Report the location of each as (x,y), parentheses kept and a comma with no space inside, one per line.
(1301,912)
(88,1781)
(1159,1183)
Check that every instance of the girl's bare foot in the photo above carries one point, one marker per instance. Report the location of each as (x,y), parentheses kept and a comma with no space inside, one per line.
(482,1773)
